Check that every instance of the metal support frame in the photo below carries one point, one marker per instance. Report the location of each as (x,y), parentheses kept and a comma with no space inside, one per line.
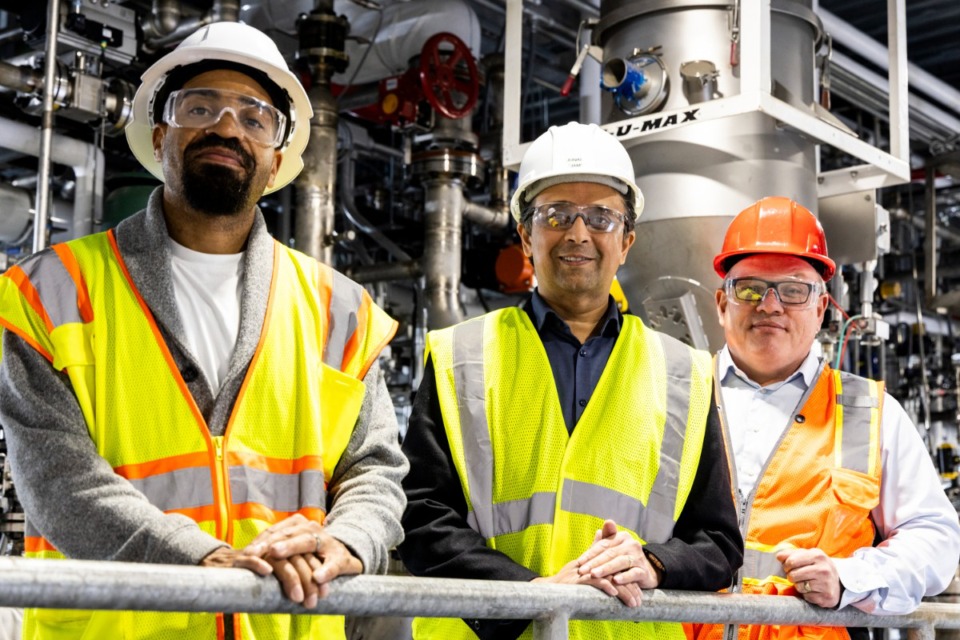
(42,213)
(930,239)
(79,584)
(880,169)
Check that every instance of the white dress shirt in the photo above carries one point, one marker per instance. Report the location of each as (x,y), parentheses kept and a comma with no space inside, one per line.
(918,526)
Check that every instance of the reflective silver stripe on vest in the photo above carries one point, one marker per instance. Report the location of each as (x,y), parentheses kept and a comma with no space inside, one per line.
(658,523)
(761,564)
(517,515)
(474,430)
(179,489)
(286,492)
(601,502)
(57,290)
(857,404)
(345,300)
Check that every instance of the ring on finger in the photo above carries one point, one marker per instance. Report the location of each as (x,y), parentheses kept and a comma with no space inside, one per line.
(319,541)
(806,587)
(629,562)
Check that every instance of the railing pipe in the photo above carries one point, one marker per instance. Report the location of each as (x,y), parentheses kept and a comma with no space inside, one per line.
(79,584)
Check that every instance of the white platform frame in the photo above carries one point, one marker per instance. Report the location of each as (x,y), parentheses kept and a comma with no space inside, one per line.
(879,168)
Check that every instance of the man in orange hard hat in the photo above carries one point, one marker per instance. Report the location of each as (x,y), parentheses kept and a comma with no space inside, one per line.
(826,463)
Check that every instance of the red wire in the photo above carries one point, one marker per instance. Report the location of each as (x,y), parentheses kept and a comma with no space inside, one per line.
(846,316)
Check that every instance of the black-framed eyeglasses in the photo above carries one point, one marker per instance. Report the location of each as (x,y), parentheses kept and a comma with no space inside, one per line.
(562,215)
(752,290)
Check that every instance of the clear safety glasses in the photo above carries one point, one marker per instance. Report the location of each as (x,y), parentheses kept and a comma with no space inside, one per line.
(788,292)
(562,215)
(203,108)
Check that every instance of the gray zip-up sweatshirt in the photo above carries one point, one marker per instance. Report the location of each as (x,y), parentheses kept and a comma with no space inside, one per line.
(74,499)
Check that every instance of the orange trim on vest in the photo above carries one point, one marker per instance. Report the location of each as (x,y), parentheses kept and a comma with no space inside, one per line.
(26,338)
(36,544)
(274,465)
(256,511)
(73,268)
(198,514)
(19,277)
(376,351)
(352,344)
(168,358)
(163,465)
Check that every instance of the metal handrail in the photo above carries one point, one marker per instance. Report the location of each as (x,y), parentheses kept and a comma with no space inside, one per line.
(79,584)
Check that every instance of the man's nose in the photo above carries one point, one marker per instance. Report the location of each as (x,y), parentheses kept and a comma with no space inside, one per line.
(227,126)
(578,231)
(770,302)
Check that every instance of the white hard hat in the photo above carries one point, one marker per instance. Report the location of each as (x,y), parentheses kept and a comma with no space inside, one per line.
(575,152)
(236,43)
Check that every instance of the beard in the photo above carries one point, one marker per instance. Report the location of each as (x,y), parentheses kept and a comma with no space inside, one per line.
(213,189)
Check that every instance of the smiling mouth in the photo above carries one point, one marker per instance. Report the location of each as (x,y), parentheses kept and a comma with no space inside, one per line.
(575,259)
(769,326)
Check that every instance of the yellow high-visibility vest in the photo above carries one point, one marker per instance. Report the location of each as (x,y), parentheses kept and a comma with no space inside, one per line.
(293,417)
(539,494)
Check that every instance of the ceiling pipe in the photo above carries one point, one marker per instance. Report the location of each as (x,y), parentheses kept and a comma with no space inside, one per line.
(855,40)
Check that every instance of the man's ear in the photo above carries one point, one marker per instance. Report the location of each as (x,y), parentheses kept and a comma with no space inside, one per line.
(277,159)
(525,241)
(158,133)
(722,302)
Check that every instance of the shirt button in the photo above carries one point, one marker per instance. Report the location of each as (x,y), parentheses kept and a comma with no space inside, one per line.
(582,402)
(583,353)
(190,374)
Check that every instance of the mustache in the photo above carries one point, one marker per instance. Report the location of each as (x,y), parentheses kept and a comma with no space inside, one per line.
(212,140)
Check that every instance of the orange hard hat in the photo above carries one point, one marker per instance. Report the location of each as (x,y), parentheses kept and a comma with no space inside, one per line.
(775,225)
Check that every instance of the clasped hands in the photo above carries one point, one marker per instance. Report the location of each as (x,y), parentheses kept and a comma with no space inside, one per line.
(299,552)
(615,564)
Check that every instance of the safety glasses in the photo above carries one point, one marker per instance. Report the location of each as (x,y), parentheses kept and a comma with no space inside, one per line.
(562,215)
(788,292)
(202,108)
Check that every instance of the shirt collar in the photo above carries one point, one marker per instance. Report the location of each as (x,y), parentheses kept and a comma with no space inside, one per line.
(806,372)
(540,312)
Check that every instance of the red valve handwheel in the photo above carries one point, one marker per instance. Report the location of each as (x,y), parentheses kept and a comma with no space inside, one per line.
(450,95)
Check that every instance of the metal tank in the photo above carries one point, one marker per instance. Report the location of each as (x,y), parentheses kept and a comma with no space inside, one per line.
(696,178)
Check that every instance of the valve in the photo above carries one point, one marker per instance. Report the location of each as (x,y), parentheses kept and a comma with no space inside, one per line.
(449,79)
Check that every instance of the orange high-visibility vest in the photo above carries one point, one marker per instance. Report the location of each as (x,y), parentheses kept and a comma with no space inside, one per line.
(293,417)
(817,491)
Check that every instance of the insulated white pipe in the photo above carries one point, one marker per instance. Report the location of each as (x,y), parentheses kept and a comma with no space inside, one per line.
(86,160)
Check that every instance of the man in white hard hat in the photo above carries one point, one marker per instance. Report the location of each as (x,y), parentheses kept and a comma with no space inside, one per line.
(184,389)
(563,441)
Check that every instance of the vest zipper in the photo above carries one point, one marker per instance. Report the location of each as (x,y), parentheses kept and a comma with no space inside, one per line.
(228,630)
(223,498)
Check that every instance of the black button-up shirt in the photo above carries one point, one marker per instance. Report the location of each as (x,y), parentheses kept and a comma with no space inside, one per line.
(576,367)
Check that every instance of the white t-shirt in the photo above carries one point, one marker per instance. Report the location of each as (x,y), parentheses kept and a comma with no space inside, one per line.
(207,290)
